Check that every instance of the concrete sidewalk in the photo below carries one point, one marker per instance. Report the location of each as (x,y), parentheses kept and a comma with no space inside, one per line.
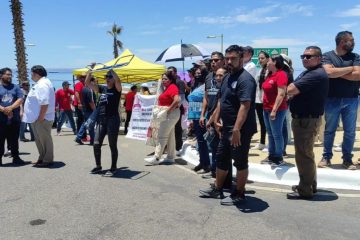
(332,177)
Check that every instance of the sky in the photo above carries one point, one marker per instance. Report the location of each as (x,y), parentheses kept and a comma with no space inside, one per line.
(73,33)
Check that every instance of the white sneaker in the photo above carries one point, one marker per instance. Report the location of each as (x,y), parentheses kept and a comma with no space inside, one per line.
(258,146)
(337,144)
(265,149)
(152,160)
(338,149)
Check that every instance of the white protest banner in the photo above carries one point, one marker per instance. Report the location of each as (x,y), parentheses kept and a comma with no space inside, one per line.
(141,116)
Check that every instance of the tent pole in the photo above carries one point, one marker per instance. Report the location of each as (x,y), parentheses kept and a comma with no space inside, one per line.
(183,60)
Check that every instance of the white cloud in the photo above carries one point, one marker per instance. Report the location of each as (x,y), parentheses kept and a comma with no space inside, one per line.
(150,32)
(279,42)
(102,24)
(180,28)
(297,8)
(354,12)
(75,47)
(268,14)
(188,19)
(347,26)
(148,50)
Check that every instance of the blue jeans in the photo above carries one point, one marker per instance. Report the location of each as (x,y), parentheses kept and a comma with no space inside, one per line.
(347,109)
(89,123)
(69,115)
(203,148)
(274,129)
(22,131)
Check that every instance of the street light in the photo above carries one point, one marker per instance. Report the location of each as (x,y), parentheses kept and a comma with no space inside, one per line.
(30,45)
(221,36)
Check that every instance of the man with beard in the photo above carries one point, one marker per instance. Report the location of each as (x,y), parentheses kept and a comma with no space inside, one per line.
(237,113)
(11,98)
(343,69)
(209,104)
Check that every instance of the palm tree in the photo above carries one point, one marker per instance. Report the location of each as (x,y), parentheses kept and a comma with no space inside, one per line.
(115,32)
(18,23)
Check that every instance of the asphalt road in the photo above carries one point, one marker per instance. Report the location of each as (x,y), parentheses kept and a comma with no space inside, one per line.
(153,202)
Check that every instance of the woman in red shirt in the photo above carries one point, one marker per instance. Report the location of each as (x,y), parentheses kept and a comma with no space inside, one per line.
(275,107)
(169,101)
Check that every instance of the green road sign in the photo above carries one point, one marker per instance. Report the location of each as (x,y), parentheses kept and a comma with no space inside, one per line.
(270,51)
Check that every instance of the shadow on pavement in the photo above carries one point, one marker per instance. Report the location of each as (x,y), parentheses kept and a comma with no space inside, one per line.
(252,205)
(324,196)
(58,164)
(10,164)
(126,173)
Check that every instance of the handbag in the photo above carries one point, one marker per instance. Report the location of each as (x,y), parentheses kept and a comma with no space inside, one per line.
(160,113)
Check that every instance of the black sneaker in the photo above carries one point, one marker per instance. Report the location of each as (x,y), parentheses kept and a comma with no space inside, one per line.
(278,163)
(212,192)
(197,168)
(266,161)
(19,161)
(79,141)
(234,199)
(96,170)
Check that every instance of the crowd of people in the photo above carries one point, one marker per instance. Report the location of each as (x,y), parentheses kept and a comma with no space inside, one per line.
(223,99)
(227,93)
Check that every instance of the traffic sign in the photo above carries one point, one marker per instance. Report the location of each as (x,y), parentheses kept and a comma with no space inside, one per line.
(270,51)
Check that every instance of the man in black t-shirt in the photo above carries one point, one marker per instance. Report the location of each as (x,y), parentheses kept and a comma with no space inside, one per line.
(343,69)
(308,94)
(108,119)
(237,113)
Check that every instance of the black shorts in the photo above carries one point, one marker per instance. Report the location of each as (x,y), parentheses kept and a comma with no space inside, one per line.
(225,152)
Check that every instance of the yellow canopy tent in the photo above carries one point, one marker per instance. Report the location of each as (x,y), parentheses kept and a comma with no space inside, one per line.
(129,67)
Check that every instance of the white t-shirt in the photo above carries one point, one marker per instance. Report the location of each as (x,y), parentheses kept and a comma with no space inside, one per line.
(251,68)
(42,93)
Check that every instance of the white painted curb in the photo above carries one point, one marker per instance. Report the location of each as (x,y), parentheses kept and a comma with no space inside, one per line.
(285,175)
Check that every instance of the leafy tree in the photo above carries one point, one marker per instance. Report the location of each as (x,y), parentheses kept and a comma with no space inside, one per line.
(117,44)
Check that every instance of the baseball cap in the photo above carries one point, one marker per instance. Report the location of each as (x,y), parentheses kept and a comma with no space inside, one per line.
(199,63)
(65,83)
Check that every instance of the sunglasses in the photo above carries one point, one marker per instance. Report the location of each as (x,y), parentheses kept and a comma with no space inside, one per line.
(308,56)
(108,76)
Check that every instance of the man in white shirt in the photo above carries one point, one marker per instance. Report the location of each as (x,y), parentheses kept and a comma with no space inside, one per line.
(248,64)
(39,110)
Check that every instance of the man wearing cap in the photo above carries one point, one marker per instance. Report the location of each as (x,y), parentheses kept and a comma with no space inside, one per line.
(308,94)
(63,104)
(77,102)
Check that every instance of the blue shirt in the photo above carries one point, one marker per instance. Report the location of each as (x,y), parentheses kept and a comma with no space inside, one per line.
(340,87)
(8,95)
